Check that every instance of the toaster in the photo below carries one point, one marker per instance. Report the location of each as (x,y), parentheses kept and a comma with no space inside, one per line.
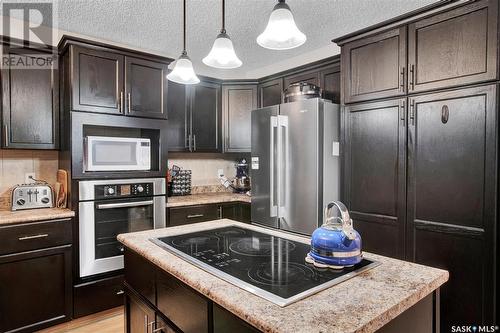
(29,196)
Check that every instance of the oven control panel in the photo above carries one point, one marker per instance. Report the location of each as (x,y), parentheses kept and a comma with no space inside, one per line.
(123,190)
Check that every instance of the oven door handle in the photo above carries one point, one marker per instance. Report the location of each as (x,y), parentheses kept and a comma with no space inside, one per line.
(125,204)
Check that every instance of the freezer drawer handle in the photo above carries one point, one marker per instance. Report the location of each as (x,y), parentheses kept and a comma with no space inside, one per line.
(125,204)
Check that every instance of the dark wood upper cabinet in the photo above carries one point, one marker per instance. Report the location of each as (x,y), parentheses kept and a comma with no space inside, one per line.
(375,169)
(312,77)
(375,67)
(237,103)
(329,81)
(30,102)
(270,92)
(452,172)
(206,117)
(146,88)
(454,48)
(98,80)
(179,119)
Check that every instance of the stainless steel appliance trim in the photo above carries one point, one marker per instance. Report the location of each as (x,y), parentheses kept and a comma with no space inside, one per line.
(125,204)
(255,290)
(283,164)
(272,186)
(86,187)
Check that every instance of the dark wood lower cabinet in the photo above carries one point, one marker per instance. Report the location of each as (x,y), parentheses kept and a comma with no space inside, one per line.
(98,295)
(35,289)
(238,211)
(176,307)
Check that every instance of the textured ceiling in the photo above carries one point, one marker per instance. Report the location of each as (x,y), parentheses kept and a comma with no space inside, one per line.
(156,26)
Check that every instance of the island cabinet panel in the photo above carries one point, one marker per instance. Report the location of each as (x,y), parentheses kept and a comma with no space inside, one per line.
(375,67)
(237,103)
(452,170)
(270,92)
(35,289)
(140,275)
(183,306)
(97,81)
(226,322)
(139,317)
(146,88)
(454,48)
(30,105)
(375,167)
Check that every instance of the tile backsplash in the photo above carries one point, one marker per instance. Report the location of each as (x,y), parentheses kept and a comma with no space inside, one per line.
(14,164)
(205,169)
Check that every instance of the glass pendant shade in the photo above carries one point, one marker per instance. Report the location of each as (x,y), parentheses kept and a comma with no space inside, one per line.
(222,54)
(183,71)
(281,32)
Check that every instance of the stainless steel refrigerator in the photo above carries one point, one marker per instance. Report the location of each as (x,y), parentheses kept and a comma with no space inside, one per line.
(295,163)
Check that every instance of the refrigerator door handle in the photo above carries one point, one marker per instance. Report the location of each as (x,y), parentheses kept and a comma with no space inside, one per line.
(272,182)
(283,151)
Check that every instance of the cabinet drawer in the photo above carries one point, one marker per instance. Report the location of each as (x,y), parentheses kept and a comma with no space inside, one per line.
(98,295)
(35,235)
(192,214)
(183,306)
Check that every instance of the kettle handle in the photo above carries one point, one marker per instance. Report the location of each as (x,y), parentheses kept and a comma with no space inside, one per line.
(344,213)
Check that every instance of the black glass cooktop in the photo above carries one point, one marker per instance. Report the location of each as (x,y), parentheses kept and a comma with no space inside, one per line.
(268,266)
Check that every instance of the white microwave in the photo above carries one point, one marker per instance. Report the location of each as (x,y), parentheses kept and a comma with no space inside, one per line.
(104,153)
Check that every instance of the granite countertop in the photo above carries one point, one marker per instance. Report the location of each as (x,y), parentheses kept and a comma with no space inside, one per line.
(364,303)
(33,215)
(206,198)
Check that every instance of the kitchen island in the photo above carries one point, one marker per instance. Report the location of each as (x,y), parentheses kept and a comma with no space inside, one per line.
(164,290)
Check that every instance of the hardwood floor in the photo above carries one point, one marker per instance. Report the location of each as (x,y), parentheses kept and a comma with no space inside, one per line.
(109,321)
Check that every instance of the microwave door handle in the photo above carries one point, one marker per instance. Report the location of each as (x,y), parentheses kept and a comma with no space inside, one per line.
(125,204)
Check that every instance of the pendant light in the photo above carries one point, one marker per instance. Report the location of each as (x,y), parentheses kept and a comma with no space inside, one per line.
(183,71)
(281,33)
(222,54)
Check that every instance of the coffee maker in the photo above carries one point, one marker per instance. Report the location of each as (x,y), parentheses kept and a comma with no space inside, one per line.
(241,183)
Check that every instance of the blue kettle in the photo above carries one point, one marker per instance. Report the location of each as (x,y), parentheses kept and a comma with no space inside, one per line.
(335,244)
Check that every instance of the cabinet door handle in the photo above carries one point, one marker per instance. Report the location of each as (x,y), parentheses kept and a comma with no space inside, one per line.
(129,103)
(445,114)
(189,142)
(33,237)
(194,142)
(6,135)
(402,79)
(120,292)
(412,77)
(158,329)
(403,110)
(121,101)
(193,216)
(412,112)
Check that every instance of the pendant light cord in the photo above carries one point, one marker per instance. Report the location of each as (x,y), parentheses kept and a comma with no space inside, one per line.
(184,23)
(223,17)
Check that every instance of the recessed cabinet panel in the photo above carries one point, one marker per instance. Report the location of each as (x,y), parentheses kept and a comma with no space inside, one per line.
(375,66)
(452,155)
(30,104)
(146,88)
(206,117)
(454,48)
(375,167)
(97,81)
(270,93)
(309,77)
(179,120)
(330,83)
(238,102)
